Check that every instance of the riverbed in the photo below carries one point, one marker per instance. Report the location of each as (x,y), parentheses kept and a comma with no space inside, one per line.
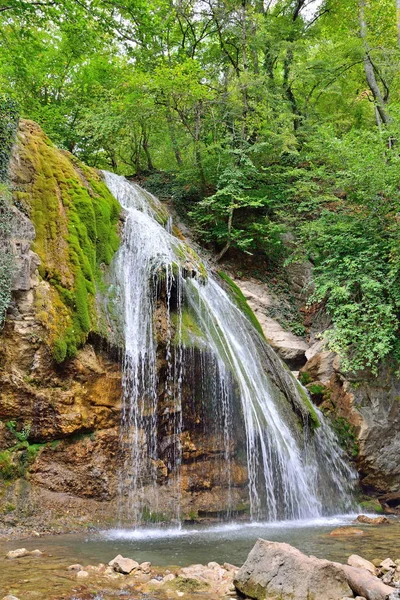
(47,577)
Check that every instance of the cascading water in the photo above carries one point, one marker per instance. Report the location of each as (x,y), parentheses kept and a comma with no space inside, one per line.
(295,467)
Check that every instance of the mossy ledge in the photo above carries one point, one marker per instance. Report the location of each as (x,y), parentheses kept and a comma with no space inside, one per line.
(75,218)
(241,302)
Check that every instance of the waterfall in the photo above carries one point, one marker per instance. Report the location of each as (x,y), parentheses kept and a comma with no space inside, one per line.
(185,337)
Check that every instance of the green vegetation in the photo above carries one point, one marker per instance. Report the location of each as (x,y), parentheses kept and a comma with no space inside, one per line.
(273,126)
(241,302)
(346,435)
(372,506)
(187,331)
(187,584)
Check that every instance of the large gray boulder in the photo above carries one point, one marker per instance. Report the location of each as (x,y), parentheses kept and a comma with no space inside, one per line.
(276,570)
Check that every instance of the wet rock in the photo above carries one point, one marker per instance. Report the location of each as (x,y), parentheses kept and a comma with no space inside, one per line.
(346,531)
(361,563)
(123,565)
(373,520)
(275,569)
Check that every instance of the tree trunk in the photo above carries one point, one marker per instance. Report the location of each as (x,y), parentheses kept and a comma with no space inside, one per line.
(369,69)
(172,135)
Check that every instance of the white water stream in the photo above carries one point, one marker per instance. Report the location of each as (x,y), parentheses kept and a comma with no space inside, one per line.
(294,472)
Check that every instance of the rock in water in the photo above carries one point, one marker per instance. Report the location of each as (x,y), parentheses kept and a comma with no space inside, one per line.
(275,569)
(346,531)
(373,520)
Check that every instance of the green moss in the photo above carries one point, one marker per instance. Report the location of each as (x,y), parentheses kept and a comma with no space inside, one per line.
(187,331)
(241,302)
(305,378)
(346,435)
(187,584)
(8,468)
(371,506)
(75,218)
(314,420)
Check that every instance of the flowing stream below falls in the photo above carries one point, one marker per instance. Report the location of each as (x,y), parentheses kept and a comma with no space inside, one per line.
(188,344)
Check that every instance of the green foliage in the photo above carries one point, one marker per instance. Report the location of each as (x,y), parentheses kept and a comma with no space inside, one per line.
(8,127)
(258,121)
(21,435)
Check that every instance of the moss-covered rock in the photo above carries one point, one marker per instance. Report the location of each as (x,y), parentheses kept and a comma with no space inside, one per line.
(241,302)
(75,219)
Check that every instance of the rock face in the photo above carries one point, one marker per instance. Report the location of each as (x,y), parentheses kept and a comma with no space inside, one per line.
(274,570)
(264,303)
(60,404)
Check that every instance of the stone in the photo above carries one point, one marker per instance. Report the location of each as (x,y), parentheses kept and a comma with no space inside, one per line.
(346,531)
(361,563)
(169,577)
(366,585)
(36,552)
(373,520)
(229,567)
(261,300)
(387,564)
(10,597)
(213,565)
(180,594)
(388,576)
(82,574)
(123,565)
(145,567)
(75,567)
(275,569)
(19,553)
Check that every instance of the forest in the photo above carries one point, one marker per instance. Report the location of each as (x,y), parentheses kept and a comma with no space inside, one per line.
(264,121)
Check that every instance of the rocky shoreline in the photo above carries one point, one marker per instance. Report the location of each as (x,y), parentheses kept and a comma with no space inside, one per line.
(273,570)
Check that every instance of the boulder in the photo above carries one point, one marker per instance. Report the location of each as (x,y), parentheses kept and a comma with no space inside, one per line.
(366,585)
(123,565)
(346,531)
(373,520)
(275,569)
(361,563)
